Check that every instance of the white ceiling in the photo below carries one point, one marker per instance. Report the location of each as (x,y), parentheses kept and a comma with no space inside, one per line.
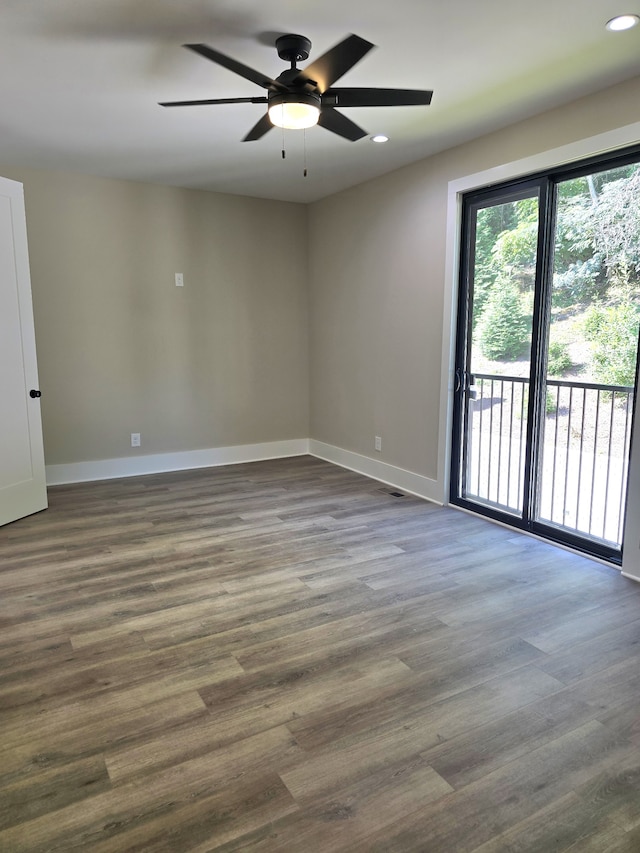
(80,81)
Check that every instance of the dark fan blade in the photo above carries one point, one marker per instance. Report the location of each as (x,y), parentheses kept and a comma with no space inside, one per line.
(334,121)
(335,62)
(236,67)
(259,129)
(376,97)
(259,100)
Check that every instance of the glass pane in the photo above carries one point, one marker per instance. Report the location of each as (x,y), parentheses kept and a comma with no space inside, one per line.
(503,275)
(592,350)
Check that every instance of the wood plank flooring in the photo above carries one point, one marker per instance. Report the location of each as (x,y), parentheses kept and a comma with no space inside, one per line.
(282,656)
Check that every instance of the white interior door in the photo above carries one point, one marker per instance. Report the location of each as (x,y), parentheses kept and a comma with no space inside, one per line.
(22,473)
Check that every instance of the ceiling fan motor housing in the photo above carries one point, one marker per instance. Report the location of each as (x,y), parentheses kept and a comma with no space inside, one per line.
(295,97)
(293,48)
(300,90)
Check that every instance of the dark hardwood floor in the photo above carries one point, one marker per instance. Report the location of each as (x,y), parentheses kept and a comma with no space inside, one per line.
(282,656)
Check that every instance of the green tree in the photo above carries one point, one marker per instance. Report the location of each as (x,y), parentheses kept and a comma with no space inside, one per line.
(597,244)
(515,250)
(558,360)
(579,274)
(506,239)
(613,332)
(617,230)
(506,325)
(491,222)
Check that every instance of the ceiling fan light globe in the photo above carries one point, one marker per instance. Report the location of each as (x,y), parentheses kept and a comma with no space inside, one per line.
(294,111)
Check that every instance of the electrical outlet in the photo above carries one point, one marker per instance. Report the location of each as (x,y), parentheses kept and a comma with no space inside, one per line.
(179,279)
(378,444)
(135,439)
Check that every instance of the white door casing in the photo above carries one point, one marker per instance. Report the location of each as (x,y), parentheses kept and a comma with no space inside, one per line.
(22,471)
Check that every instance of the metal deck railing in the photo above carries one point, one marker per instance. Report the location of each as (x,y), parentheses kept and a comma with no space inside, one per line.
(583,465)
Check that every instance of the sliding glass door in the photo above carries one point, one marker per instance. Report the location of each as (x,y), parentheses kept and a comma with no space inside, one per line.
(547,343)
(492,376)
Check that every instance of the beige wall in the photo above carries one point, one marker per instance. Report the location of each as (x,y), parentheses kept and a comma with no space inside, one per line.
(219,362)
(226,359)
(377,284)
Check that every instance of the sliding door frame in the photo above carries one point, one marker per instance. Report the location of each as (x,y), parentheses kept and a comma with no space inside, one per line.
(545,182)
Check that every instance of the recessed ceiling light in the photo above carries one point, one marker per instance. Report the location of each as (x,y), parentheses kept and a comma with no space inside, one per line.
(622,22)
(379,137)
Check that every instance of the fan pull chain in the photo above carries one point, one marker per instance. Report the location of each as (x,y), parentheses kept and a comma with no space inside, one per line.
(304,145)
(283,151)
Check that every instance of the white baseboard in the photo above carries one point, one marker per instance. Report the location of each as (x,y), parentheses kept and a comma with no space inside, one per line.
(631,577)
(133,466)
(156,463)
(415,484)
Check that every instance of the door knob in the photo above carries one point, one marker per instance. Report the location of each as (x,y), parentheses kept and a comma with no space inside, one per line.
(33,393)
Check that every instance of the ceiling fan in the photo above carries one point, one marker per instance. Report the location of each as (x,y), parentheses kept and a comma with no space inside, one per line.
(300,98)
